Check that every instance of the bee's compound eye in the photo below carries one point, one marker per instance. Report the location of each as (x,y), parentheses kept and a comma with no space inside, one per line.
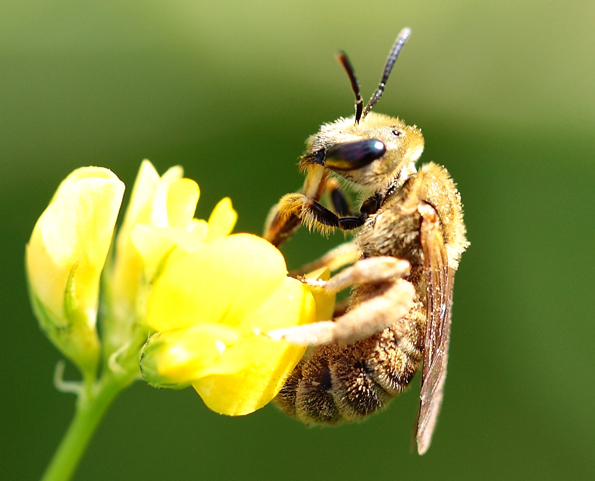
(353,155)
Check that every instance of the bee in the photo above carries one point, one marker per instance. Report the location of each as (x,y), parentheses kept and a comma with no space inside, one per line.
(400,266)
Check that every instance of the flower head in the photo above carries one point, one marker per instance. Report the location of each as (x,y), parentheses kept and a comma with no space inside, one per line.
(210,305)
(205,296)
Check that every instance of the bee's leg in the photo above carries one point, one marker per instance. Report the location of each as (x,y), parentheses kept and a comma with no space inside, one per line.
(342,255)
(341,204)
(348,218)
(280,223)
(339,200)
(391,299)
(307,211)
(315,215)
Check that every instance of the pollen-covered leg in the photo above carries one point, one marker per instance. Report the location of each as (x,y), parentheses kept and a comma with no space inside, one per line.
(280,224)
(308,211)
(390,300)
(341,256)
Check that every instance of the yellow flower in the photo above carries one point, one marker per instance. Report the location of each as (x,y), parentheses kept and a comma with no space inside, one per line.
(207,295)
(64,259)
(209,305)
(166,201)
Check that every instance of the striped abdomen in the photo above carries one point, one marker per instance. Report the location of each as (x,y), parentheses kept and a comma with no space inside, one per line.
(337,383)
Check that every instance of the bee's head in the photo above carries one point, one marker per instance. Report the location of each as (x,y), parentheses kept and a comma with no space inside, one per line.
(370,150)
(370,154)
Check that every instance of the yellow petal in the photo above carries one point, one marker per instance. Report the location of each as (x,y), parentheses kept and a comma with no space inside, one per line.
(218,283)
(249,374)
(325,301)
(126,269)
(182,198)
(153,245)
(160,208)
(169,201)
(200,227)
(141,199)
(222,220)
(175,358)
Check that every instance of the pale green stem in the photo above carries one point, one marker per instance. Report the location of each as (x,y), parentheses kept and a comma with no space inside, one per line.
(92,403)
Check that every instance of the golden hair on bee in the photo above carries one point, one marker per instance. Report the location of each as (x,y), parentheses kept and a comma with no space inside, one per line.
(400,265)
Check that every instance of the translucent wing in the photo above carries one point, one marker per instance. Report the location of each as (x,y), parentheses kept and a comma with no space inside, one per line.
(439,279)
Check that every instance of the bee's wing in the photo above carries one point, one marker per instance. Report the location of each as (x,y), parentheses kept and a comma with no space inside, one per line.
(439,279)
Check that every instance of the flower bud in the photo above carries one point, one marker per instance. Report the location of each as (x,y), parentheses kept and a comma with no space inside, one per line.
(170,359)
(65,257)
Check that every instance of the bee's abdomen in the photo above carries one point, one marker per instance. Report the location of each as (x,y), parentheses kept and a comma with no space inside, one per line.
(345,383)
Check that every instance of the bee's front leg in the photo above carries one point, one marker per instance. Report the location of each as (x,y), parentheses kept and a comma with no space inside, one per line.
(390,299)
(298,208)
(280,225)
(311,213)
(283,221)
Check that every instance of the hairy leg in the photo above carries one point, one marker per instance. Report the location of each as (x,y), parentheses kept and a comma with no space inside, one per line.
(391,299)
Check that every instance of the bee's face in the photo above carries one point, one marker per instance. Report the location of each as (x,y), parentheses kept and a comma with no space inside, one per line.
(370,153)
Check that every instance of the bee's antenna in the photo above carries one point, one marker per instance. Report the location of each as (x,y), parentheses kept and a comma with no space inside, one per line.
(359,101)
(390,62)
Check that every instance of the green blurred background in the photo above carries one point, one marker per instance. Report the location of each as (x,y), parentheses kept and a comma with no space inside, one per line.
(504,92)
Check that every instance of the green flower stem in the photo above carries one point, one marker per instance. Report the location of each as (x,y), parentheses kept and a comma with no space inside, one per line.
(91,405)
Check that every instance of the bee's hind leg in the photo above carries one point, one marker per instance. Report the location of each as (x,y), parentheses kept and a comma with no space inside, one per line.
(390,299)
